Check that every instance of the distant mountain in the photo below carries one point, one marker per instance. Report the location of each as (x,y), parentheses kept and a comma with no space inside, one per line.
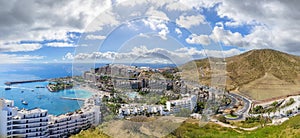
(260,74)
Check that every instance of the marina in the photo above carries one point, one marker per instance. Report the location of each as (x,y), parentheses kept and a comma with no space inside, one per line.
(28,96)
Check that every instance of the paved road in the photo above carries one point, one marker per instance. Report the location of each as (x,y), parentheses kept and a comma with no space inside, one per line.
(247,103)
(242,113)
(233,101)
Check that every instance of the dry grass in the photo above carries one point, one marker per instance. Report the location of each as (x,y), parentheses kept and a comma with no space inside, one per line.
(153,127)
(269,87)
(260,74)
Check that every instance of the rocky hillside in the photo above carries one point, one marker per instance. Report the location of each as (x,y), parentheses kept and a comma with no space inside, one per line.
(264,69)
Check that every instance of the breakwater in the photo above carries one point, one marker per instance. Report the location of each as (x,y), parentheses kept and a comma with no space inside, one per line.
(25,81)
(70,98)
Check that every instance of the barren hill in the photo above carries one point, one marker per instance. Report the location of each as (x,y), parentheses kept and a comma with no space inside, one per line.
(260,74)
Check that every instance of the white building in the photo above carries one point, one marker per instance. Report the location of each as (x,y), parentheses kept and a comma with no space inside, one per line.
(184,103)
(37,122)
(22,123)
(139,109)
(72,123)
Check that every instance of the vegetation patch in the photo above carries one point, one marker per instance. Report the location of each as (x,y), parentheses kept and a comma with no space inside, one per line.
(191,128)
(231,116)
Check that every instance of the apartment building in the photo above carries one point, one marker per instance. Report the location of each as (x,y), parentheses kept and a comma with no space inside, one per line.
(189,103)
(72,123)
(22,123)
(38,123)
(141,109)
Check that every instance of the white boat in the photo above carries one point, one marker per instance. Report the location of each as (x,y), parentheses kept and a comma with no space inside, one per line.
(24,102)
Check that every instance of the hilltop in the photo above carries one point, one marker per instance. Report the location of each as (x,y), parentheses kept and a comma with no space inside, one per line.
(260,74)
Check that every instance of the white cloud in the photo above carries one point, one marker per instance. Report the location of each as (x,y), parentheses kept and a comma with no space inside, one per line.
(68,56)
(157,14)
(187,5)
(158,25)
(189,21)
(60,44)
(233,24)
(163,34)
(280,17)
(130,3)
(179,56)
(224,53)
(107,18)
(95,37)
(13,58)
(15,47)
(260,37)
(198,39)
(164,31)
(178,31)
(275,24)
(191,52)
(177,6)
(144,35)
(46,20)
(227,37)
(208,53)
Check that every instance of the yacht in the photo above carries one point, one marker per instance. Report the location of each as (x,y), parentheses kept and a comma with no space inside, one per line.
(24,102)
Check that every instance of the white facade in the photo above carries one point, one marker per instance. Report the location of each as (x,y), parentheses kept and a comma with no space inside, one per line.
(22,123)
(137,109)
(70,123)
(37,122)
(184,103)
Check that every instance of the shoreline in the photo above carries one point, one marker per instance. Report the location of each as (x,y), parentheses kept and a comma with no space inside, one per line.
(92,90)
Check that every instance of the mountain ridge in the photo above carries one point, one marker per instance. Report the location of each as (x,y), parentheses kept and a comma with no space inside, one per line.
(255,68)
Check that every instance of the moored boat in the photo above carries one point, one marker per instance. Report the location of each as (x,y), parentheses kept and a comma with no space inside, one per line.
(24,102)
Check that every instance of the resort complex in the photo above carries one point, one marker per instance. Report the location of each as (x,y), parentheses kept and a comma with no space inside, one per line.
(38,123)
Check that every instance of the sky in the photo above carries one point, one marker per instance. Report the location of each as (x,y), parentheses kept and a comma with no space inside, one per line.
(145,31)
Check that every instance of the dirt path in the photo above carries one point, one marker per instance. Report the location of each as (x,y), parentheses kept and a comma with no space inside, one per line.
(234,127)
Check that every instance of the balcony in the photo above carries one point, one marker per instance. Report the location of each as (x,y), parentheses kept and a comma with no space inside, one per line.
(18,127)
(30,121)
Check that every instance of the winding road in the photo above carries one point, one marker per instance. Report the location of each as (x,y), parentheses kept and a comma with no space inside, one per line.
(242,113)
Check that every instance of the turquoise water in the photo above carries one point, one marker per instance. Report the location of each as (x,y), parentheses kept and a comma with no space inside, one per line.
(132,95)
(42,98)
(39,97)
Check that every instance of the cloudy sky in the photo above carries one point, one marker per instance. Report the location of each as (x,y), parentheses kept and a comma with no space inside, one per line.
(144,30)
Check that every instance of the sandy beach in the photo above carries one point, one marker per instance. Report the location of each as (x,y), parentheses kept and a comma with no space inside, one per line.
(94,91)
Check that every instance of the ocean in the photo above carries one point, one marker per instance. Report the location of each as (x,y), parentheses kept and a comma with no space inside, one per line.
(41,97)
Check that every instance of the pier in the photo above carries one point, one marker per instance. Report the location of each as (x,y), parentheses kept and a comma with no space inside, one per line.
(26,81)
(70,98)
